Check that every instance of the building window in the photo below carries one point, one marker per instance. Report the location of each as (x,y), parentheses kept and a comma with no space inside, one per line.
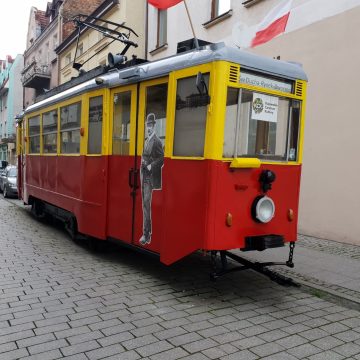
(100,34)
(55,42)
(68,59)
(80,49)
(161,28)
(219,7)
(248,3)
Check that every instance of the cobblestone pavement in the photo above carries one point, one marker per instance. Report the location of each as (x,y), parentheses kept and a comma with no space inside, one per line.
(326,265)
(330,247)
(59,300)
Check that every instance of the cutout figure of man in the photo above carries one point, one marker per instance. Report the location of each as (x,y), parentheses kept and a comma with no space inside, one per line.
(152,161)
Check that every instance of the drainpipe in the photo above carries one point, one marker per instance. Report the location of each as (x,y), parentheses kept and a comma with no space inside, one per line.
(146,29)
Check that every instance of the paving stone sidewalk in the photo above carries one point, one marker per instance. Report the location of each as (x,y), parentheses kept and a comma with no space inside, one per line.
(327,265)
(58,300)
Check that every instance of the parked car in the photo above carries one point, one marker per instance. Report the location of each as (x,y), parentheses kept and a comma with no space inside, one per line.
(2,178)
(9,182)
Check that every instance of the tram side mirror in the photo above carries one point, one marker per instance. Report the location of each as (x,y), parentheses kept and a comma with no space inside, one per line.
(201,84)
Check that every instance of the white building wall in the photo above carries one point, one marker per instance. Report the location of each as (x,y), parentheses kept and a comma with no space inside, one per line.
(322,36)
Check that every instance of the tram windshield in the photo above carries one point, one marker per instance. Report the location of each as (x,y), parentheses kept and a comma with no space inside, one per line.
(261,125)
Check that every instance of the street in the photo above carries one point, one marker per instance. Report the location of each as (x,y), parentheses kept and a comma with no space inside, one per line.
(61,300)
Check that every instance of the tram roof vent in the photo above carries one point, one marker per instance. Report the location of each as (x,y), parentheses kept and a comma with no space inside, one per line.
(234,74)
(189,44)
(298,88)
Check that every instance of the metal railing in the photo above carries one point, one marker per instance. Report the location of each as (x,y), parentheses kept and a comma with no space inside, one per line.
(35,69)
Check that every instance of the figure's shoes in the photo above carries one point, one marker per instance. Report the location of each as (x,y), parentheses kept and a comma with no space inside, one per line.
(145,240)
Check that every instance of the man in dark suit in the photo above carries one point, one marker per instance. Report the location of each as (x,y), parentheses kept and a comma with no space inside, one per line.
(152,161)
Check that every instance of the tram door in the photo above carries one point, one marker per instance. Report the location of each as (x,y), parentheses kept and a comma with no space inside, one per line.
(149,209)
(121,185)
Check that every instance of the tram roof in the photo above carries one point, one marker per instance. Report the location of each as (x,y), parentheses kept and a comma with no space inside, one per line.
(158,68)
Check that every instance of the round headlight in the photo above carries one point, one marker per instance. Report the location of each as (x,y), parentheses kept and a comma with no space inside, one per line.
(264,209)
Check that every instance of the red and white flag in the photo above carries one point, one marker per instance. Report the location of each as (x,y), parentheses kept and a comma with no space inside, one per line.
(273,24)
(163,4)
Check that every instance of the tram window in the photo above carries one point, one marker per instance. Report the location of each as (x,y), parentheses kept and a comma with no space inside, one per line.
(70,128)
(260,127)
(156,100)
(49,124)
(34,135)
(121,123)
(95,125)
(230,123)
(294,130)
(190,119)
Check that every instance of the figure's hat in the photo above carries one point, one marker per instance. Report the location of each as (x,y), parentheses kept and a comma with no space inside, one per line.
(150,119)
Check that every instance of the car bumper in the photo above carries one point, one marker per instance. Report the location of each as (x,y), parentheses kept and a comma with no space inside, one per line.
(12,191)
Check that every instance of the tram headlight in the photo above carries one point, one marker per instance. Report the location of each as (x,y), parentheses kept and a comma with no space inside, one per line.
(263,209)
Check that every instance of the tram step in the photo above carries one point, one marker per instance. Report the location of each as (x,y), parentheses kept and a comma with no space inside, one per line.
(263,242)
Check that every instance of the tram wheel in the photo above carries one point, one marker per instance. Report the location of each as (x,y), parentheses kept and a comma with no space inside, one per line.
(95,245)
(37,209)
(71,227)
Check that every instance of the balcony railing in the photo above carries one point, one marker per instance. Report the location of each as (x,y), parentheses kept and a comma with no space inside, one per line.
(36,76)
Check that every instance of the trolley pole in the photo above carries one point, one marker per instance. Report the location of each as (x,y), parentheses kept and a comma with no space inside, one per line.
(192,27)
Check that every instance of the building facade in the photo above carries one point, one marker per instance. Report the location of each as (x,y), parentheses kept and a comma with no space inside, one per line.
(11,104)
(93,47)
(322,36)
(40,70)
(46,30)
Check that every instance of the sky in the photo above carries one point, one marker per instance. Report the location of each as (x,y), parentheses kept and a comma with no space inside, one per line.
(14,19)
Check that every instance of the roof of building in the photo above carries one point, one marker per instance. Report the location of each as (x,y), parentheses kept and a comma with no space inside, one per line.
(42,19)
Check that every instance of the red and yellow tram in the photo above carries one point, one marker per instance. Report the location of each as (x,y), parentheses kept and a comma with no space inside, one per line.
(230,124)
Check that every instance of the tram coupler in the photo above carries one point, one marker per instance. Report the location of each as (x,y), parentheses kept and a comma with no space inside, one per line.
(260,267)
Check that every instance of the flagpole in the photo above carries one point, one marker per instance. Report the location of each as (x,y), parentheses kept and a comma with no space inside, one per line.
(192,27)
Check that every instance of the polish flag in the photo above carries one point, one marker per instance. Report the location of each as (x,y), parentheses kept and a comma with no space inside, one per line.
(273,24)
(163,4)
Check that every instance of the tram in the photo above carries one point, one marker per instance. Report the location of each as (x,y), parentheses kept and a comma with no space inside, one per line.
(198,151)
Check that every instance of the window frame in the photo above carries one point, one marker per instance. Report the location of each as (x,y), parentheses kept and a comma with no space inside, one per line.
(86,126)
(47,110)
(133,114)
(215,9)
(67,59)
(28,136)
(141,115)
(160,31)
(77,99)
(170,131)
(255,162)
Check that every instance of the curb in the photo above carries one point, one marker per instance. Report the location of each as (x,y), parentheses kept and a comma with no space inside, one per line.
(326,293)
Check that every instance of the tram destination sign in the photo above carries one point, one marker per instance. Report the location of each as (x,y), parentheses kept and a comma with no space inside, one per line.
(265,82)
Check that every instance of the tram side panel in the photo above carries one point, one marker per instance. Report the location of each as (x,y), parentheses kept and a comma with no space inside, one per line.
(120,200)
(73,183)
(185,208)
(235,195)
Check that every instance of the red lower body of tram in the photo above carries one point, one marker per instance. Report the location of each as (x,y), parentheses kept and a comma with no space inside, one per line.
(203,204)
